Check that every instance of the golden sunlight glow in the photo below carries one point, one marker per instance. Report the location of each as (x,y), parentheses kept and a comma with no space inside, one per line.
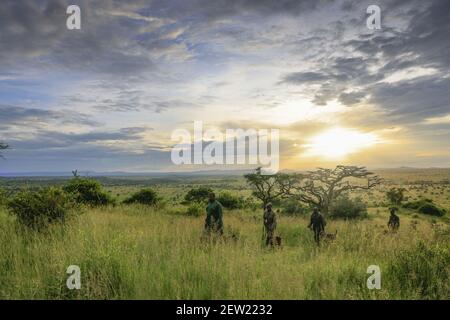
(338,142)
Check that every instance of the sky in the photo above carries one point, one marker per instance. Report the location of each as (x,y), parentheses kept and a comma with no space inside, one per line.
(109,96)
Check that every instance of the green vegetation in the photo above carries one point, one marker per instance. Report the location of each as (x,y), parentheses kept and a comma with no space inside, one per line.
(198,194)
(396,195)
(422,270)
(347,208)
(3,198)
(88,191)
(195,209)
(38,209)
(147,253)
(138,251)
(292,207)
(425,206)
(431,210)
(144,196)
(417,204)
(230,201)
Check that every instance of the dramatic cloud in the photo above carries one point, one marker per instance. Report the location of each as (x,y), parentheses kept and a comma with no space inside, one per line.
(139,69)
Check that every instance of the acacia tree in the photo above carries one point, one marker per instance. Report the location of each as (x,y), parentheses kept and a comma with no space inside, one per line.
(266,188)
(321,187)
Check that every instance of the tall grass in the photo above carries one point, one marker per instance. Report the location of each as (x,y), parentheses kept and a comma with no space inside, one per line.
(139,252)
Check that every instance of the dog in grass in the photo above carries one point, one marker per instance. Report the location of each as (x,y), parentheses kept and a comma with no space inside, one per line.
(329,236)
(278,241)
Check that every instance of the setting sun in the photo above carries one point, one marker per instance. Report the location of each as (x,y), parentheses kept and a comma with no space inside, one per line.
(337,143)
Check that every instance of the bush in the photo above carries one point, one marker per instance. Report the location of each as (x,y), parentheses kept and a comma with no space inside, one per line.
(37,209)
(252,203)
(432,210)
(230,201)
(2,197)
(198,194)
(396,195)
(88,191)
(293,207)
(347,208)
(417,204)
(195,209)
(144,196)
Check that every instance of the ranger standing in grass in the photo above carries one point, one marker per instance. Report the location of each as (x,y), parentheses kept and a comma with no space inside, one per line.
(270,224)
(213,220)
(394,220)
(317,224)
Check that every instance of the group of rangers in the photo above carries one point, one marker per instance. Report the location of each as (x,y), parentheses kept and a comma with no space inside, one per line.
(214,221)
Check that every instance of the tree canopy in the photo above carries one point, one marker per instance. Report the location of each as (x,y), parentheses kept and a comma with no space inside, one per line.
(317,188)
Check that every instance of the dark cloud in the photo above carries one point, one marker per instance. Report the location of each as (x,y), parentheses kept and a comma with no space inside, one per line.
(117,37)
(426,34)
(414,100)
(85,157)
(305,77)
(373,56)
(218,9)
(47,139)
(36,31)
(351,98)
(26,117)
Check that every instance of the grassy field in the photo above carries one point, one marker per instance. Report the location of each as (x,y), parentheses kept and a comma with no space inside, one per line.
(139,252)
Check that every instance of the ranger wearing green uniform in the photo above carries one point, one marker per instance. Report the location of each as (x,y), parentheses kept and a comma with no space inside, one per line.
(213,220)
(270,224)
(317,224)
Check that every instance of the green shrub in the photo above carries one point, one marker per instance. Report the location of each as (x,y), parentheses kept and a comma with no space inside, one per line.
(144,196)
(230,201)
(432,210)
(3,197)
(88,191)
(252,203)
(396,195)
(422,269)
(197,194)
(37,209)
(195,209)
(293,207)
(417,204)
(347,208)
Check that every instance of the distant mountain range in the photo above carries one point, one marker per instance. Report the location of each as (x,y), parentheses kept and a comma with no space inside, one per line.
(129,174)
(168,173)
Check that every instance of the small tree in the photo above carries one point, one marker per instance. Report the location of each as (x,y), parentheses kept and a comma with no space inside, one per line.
(266,188)
(395,195)
(321,187)
(198,194)
(144,196)
(88,191)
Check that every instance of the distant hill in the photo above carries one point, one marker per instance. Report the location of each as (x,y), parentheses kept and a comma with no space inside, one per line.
(129,174)
(407,173)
